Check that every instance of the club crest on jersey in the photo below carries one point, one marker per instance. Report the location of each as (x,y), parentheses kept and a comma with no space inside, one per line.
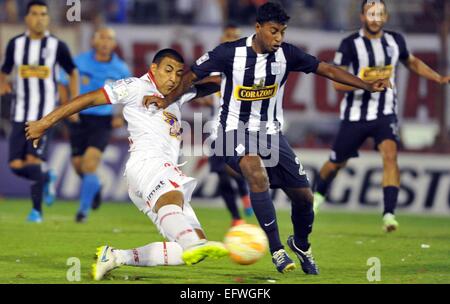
(275,68)
(255,92)
(175,127)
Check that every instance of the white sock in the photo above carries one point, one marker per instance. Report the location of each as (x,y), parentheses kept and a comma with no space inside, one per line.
(176,227)
(153,254)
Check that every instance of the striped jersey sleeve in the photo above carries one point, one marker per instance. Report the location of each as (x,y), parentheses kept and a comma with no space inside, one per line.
(299,61)
(343,56)
(8,64)
(213,61)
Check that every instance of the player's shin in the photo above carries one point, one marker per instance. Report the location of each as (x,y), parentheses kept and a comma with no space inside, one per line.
(176,227)
(153,254)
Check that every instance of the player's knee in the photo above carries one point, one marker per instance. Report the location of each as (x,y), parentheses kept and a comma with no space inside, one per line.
(16,164)
(390,157)
(169,198)
(89,165)
(32,160)
(304,199)
(258,181)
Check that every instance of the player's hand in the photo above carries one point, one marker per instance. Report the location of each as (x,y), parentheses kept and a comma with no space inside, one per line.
(34,130)
(380,85)
(445,80)
(155,100)
(5,88)
(117,122)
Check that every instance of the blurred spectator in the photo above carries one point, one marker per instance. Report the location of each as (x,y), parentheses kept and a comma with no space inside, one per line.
(9,11)
(116,11)
(209,12)
(184,9)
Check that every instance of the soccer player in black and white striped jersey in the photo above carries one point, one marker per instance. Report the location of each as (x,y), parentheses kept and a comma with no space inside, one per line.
(35,56)
(370,54)
(254,73)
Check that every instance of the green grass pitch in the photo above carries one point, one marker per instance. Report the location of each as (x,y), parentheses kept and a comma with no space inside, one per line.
(342,244)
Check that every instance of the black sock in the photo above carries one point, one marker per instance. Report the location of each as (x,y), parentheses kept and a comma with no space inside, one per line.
(390,199)
(302,217)
(39,178)
(266,215)
(31,172)
(227,192)
(323,185)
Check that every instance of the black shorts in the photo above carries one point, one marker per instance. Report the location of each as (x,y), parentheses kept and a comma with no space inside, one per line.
(91,131)
(19,146)
(283,166)
(351,136)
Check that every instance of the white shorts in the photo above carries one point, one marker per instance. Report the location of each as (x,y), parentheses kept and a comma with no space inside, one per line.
(150,178)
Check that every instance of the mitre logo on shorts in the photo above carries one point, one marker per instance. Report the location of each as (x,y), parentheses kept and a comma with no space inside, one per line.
(255,92)
(156,189)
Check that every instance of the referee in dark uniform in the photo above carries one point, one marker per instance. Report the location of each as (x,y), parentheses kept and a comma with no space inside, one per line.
(35,56)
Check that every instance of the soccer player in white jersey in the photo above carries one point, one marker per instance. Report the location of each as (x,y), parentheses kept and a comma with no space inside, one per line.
(156,185)
(368,53)
(254,73)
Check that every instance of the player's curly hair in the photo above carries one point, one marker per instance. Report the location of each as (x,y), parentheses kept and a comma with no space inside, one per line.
(364,2)
(272,12)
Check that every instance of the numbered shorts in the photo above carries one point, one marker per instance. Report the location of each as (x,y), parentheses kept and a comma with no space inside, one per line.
(351,136)
(282,164)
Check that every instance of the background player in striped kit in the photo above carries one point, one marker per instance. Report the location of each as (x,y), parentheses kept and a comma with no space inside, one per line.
(90,131)
(255,70)
(35,56)
(217,165)
(369,54)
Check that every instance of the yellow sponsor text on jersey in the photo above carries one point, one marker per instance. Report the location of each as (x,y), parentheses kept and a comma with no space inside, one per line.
(375,73)
(255,93)
(34,71)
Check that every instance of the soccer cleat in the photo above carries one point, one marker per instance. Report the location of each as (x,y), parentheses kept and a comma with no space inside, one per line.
(248,210)
(50,188)
(306,258)
(389,223)
(198,253)
(34,216)
(282,261)
(97,199)
(237,222)
(105,262)
(319,199)
(80,217)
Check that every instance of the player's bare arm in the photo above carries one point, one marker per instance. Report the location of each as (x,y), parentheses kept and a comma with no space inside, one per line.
(342,87)
(35,129)
(339,75)
(5,86)
(421,68)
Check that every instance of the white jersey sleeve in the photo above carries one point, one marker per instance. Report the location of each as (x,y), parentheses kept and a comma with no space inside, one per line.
(188,96)
(123,91)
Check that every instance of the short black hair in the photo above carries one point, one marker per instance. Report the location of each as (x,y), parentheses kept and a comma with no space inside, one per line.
(364,2)
(271,12)
(35,2)
(171,53)
(230,24)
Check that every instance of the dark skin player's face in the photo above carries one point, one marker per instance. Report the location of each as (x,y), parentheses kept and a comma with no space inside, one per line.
(167,74)
(374,17)
(269,36)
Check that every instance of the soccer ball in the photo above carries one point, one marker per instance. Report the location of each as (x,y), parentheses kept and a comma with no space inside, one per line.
(246,243)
